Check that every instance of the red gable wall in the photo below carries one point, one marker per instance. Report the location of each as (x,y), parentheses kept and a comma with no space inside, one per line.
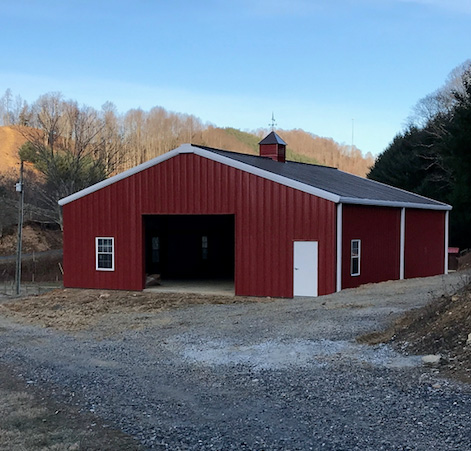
(268,218)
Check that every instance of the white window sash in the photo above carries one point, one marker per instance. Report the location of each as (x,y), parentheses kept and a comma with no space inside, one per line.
(356,257)
(97,252)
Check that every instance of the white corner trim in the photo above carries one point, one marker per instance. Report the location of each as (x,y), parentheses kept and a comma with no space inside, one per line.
(339,247)
(447,217)
(402,245)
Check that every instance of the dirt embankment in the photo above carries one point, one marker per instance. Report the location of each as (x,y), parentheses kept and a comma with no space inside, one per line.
(35,239)
(43,249)
(442,327)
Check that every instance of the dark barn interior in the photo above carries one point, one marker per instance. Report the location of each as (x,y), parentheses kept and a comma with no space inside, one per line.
(190,246)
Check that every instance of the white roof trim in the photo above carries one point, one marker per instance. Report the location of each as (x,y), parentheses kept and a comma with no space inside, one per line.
(188,148)
(389,203)
(116,178)
(355,200)
(267,175)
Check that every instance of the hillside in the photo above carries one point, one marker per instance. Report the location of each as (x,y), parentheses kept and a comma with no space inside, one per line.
(159,131)
(10,140)
(301,146)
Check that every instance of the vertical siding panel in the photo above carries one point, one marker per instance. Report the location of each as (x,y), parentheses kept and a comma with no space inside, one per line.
(247,218)
(239,232)
(378,228)
(217,191)
(162,192)
(424,243)
(268,218)
(195,188)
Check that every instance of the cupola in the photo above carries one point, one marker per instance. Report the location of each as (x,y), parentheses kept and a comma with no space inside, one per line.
(274,147)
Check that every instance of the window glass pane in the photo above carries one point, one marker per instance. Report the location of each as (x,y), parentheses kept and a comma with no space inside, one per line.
(355,245)
(355,266)
(105,261)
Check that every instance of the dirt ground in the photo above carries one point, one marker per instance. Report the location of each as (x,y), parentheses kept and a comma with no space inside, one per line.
(75,309)
(464,261)
(441,327)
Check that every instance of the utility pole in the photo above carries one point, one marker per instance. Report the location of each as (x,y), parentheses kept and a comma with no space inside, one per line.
(20,189)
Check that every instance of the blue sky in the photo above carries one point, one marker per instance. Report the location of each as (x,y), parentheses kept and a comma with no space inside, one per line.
(317,64)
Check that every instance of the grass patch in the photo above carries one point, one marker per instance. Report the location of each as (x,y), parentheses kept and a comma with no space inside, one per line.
(32,422)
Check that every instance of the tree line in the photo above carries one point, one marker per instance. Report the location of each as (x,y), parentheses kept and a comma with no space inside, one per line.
(73,146)
(432,155)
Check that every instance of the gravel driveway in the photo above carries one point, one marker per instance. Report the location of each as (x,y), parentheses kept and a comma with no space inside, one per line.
(286,375)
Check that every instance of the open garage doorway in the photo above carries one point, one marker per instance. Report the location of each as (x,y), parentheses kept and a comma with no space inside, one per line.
(190,247)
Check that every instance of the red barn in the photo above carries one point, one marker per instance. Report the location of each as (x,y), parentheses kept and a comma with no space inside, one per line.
(275,228)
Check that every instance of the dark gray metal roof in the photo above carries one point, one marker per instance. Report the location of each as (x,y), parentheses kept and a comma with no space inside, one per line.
(322,181)
(272,138)
(350,188)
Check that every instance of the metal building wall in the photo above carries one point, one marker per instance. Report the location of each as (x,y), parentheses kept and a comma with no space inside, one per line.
(268,218)
(424,243)
(378,228)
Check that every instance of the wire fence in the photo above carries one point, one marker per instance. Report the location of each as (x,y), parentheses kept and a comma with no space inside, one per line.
(8,288)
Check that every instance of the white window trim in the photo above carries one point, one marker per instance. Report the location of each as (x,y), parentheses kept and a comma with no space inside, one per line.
(357,257)
(112,252)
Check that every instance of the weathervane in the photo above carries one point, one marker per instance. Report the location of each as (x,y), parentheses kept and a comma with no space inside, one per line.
(273,123)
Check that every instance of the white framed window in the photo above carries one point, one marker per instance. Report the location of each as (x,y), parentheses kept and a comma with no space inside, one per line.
(355,256)
(104,251)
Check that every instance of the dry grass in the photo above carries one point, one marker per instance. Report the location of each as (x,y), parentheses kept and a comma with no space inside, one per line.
(31,422)
(77,309)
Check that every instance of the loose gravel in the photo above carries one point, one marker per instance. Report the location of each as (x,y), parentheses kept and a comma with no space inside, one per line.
(286,375)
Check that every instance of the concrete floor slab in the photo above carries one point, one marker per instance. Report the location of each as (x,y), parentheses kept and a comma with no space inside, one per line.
(218,287)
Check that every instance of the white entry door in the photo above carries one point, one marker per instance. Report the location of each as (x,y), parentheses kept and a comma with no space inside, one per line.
(305,268)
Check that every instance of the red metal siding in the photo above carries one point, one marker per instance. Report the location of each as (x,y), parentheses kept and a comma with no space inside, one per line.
(268,218)
(424,243)
(378,228)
